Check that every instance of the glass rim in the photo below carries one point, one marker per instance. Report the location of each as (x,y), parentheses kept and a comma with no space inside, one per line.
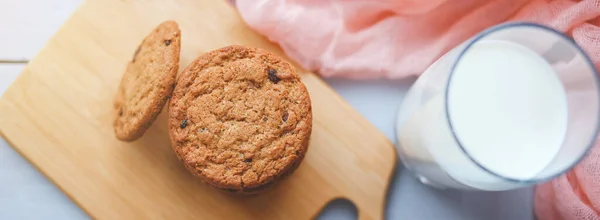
(550,30)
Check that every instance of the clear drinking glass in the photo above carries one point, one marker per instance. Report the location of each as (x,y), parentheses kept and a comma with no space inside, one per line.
(428,144)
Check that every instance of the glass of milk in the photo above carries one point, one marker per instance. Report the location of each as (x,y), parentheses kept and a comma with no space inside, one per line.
(516,105)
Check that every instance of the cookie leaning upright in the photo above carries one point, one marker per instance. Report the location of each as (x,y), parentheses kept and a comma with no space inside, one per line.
(147,82)
(240,118)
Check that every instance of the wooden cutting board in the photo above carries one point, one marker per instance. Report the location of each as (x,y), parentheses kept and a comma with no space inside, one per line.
(58,115)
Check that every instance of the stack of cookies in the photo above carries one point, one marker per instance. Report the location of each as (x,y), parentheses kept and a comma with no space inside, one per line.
(239,117)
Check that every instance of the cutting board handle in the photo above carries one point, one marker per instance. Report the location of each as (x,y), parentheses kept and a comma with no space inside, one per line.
(363,216)
(370,211)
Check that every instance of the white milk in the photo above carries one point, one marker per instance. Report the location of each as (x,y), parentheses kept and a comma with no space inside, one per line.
(508,110)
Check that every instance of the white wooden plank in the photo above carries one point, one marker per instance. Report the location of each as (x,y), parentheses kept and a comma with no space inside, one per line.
(25,25)
(8,74)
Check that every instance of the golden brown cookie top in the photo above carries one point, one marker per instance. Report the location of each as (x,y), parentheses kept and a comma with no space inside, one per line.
(240,118)
(147,82)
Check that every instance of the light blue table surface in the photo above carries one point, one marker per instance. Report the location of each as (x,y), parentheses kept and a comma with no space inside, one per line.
(26,194)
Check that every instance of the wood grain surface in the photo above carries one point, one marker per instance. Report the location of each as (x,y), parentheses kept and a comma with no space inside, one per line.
(57,114)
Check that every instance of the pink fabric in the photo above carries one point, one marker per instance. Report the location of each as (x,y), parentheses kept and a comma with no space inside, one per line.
(399,38)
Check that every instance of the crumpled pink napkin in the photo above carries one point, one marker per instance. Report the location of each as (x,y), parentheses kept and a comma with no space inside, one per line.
(398,38)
